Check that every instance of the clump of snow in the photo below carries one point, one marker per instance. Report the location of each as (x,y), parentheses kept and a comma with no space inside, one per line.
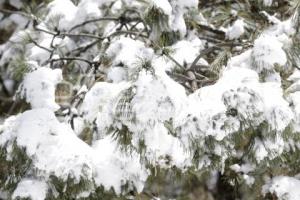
(294,97)
(158,98)
(175,11)
(53,147)
(207,108)
(128,53)
(164,5)
(268,148)
(185,52)
(114,168)
(66,19)
(16,3)
(98,99)
(267,2)
(58,12)
(161,144)
(38,87)
(266,52)
(236,30)
(237,101)
(284,187)
(243,60)
(32,189)
(56,150)
(244,168)
(151,100)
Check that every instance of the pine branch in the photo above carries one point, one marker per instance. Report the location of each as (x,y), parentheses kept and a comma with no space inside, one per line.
(210,50)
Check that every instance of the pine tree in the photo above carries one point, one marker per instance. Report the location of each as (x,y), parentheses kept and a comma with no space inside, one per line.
(158,99)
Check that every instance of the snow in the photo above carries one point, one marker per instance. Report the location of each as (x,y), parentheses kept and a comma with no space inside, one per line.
(245,168)
(30,188)
(38,87)
(175,11)
(113,168)
(164,5)
(294,96)
(74,14)
(57,9)
(56,150)
(295,76)
(185,51)
(267,51)
(284,187)
(41,55)
(255,102)
(97,99)
(156,100)
(49,143)
(267,2)
(153,107)
(236,30)
(131,53)
(209,105)
(16,3)
(161,144)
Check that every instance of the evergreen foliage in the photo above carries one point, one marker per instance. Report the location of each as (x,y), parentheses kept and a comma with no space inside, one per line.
(158,99)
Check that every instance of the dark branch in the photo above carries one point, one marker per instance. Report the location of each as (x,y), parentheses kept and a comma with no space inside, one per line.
(94,20)
(73,59)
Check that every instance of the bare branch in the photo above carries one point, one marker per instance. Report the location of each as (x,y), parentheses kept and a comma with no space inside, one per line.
(211,49)
(73,59)
(36,44)
(94,20)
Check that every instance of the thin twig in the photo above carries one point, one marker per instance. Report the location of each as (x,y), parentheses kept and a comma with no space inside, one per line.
(210,29)
(82,35)
(94,20)
(70,34)
(84,48)
(14,12)
(173,60)
(211,49)
(36,44)
(73,59)
(126,32)
(164,52)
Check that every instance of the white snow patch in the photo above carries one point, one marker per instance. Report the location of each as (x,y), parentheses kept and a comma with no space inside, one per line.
(30,188)
(284,187)
(236,30)
(56,150)
(38,87)
(266,52)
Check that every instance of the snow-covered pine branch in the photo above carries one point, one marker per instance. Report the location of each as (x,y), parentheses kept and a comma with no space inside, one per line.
(109,99)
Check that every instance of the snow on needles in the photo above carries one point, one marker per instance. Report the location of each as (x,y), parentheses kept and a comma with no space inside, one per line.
(152,107)
(32,189)
(38,87)
(266,52)
(55,149)
(284,187)
(236,30)
(175,11)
